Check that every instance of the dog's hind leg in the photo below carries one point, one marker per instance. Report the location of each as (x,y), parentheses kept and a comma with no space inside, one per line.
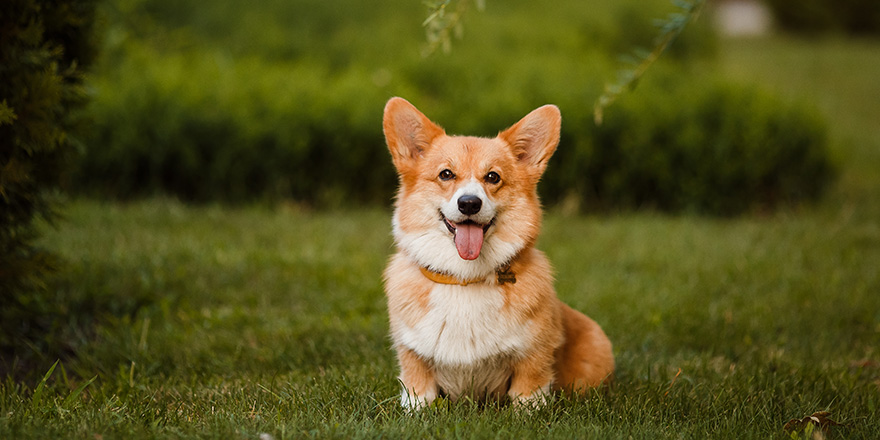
(585,359)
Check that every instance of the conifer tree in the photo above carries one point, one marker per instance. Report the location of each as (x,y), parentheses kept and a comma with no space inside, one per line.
(44,47)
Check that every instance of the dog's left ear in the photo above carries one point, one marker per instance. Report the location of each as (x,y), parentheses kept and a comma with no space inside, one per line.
(535,137)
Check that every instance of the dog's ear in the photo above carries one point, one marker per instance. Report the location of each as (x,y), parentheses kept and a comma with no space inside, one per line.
(408,132)
(535,137)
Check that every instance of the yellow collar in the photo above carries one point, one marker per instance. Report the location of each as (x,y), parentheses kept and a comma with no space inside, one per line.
(503,275)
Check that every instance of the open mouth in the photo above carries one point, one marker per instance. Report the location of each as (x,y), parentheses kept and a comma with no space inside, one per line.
(468,236)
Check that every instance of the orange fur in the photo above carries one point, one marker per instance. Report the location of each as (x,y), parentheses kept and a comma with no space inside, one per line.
(492,337)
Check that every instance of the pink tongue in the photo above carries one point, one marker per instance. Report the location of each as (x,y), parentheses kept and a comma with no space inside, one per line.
(468,240)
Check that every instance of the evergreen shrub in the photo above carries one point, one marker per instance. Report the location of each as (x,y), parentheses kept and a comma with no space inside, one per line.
(44,45)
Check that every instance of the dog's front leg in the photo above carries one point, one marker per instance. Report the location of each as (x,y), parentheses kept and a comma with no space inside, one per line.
(419,385)
(532,378)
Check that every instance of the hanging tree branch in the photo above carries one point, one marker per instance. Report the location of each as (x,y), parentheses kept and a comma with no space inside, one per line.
(444,20)
(627,79)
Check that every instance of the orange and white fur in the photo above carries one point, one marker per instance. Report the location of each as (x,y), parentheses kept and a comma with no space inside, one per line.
(471,302)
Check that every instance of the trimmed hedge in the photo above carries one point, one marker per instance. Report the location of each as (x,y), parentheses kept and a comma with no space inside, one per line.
(719,148)
(251,136)
(176,115)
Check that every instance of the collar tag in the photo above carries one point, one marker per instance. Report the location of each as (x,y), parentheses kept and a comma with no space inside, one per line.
(505,275)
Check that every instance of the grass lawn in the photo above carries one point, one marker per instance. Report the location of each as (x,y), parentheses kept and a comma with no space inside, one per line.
(215,322)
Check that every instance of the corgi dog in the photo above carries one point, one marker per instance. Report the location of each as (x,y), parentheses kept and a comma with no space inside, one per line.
(471,303)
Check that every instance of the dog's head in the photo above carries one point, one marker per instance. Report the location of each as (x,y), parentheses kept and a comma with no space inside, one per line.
(467,205)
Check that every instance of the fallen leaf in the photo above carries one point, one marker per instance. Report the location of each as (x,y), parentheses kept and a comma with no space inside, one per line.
(819,419)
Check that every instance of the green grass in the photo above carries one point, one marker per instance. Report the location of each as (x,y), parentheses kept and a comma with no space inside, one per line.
(215,322)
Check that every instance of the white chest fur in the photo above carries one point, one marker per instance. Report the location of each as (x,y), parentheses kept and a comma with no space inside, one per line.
(467,325)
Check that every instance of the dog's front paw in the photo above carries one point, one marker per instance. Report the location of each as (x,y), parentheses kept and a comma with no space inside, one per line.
(535,399)
(412,402)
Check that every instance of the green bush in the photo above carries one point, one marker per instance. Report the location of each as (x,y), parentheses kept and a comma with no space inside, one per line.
(810,16)
(717,148)
(265,130)
(43,47)
(194,112)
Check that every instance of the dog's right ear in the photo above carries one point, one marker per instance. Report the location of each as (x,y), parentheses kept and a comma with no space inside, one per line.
(408,132)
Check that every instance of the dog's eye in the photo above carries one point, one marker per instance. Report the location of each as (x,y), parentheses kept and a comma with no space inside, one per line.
(446,175)
(492,177)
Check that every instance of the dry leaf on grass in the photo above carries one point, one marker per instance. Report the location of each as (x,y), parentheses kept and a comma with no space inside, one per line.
(809,424)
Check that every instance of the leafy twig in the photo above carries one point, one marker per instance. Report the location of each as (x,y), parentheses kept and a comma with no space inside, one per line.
(444,20)
(670,28)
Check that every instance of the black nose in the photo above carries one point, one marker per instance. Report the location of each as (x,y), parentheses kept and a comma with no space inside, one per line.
(469,205)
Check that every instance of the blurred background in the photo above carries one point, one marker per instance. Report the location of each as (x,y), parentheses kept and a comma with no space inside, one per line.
(282,100)
(224,184)
(757,108)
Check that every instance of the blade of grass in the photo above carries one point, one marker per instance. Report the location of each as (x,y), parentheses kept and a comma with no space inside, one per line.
(37,399)
(74,395)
